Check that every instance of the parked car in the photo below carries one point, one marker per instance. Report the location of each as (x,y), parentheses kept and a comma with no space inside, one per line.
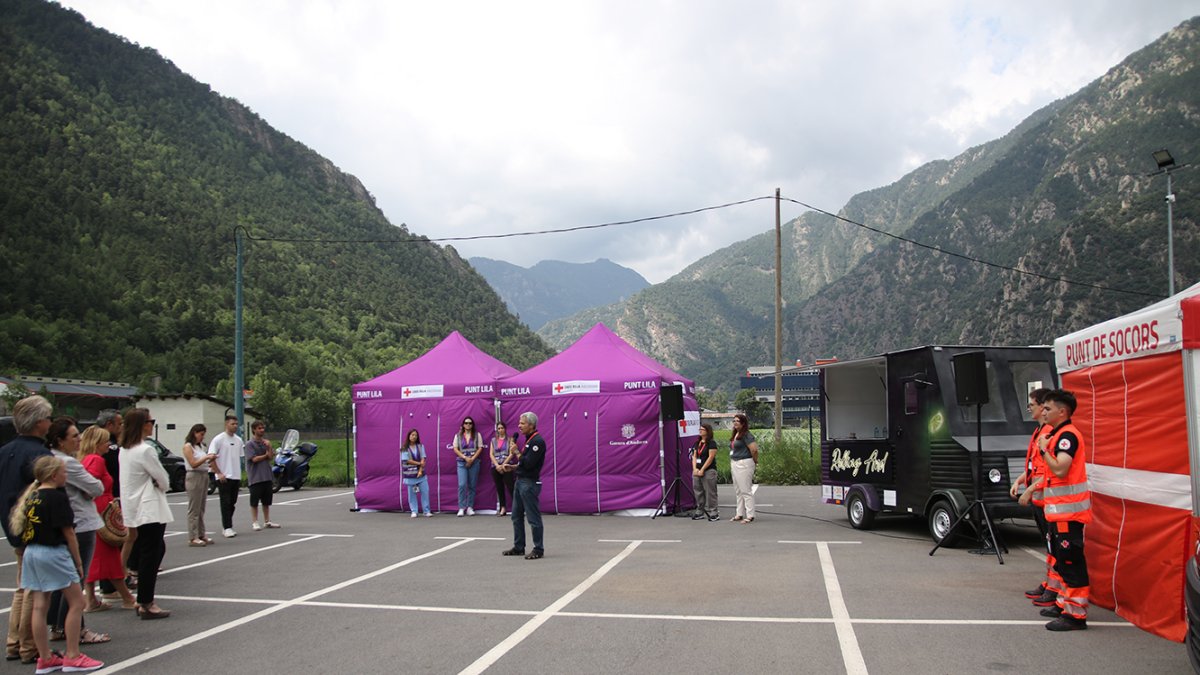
(173,464)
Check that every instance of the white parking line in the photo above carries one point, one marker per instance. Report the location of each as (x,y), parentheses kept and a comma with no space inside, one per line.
(309,499)
(847,640)
(1039,554)
(238,555)
(710,618)
(217,630)
(495,653)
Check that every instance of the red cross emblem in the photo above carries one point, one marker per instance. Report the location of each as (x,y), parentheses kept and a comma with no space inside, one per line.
(407,391)
(558,388)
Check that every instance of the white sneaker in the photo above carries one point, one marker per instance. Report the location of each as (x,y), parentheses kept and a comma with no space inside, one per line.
(272,525)
(470,511)
(460,513)
(427,514)
(255,526)
(229,533)
(414,514)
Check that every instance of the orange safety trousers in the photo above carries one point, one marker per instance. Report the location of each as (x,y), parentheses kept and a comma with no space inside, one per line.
(1071,566)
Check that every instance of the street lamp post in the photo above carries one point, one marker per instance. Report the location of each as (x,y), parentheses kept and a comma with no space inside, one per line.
(1166,164)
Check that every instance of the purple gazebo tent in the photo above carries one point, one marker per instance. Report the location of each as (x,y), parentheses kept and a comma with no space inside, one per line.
(432,393)
(598,404)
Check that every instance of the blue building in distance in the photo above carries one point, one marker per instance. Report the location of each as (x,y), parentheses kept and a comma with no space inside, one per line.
(801,390)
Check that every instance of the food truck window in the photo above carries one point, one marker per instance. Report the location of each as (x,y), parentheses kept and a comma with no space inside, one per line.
(910,398)
(993,410)
(1027,376)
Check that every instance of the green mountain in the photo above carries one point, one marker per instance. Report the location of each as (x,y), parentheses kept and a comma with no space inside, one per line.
(1064,194)
(122,181)
(553,289)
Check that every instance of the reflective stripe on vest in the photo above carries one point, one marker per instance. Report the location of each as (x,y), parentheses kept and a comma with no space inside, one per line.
(1069,498)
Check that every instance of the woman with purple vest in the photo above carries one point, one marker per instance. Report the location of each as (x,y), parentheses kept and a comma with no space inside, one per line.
(412,462)
(503,452)
(468,448)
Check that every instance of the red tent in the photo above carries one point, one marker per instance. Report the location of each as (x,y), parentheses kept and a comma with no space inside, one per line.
(1136,379)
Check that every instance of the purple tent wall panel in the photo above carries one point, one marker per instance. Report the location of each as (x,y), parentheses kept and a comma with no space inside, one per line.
(569,476)
(377,460)
(379,428)
(630,473)
(603,450)
(437,420)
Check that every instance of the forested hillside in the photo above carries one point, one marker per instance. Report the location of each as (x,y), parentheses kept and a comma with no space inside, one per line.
(122,181)
(1064,194)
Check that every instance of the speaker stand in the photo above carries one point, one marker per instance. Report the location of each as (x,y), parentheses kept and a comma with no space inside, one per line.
(987,543)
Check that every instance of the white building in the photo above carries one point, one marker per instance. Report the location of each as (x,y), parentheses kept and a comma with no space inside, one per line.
(174,415)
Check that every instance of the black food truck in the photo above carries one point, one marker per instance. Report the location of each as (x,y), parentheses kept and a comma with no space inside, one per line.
(895,438)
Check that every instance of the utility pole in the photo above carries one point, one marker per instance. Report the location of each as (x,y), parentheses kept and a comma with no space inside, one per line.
(778,326)
(239,380)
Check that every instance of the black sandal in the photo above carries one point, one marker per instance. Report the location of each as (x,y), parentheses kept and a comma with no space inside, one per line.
(536,554)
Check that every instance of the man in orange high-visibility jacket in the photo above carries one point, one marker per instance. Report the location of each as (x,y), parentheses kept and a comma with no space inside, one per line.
(1027,489)
(1068,505)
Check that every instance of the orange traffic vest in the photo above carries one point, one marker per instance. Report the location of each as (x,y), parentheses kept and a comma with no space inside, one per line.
(1068,498)
(1035,466)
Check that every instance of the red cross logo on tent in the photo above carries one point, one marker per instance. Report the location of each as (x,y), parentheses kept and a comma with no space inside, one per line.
(407,391)
(558,387)
(683,425)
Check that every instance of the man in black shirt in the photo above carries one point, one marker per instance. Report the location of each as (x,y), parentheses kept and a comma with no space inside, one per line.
(112,422)
(528,489)
(31,417)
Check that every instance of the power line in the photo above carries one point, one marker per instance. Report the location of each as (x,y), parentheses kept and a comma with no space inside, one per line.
(414,240)
(577,228)
(967,257)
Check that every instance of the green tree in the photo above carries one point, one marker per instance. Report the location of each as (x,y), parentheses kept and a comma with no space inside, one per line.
(322,406)
(274,402)
(712,399)
(757,411)
(13,393)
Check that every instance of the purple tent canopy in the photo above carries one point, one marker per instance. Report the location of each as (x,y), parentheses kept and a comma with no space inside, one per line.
(431,394)
(598,406)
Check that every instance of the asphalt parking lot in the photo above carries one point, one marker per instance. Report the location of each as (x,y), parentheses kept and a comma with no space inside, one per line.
(796,591)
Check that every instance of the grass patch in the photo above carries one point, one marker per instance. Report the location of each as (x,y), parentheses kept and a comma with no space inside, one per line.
(794,462)
(328,466)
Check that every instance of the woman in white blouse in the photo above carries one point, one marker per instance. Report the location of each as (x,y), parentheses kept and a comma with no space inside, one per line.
(144,502)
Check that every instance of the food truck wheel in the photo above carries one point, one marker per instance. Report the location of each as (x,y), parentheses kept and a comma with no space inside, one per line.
(941,516)
(861,516)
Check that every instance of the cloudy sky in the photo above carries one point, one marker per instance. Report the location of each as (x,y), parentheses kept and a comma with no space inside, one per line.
(468,118)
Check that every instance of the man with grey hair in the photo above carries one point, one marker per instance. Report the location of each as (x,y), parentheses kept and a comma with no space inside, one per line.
(112,422)
(31,417)
(528,489)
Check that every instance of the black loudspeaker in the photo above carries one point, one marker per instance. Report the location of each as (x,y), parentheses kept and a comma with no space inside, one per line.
(672,401)
(970,378)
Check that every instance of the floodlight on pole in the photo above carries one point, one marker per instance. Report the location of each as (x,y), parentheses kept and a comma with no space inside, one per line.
(1166,164)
